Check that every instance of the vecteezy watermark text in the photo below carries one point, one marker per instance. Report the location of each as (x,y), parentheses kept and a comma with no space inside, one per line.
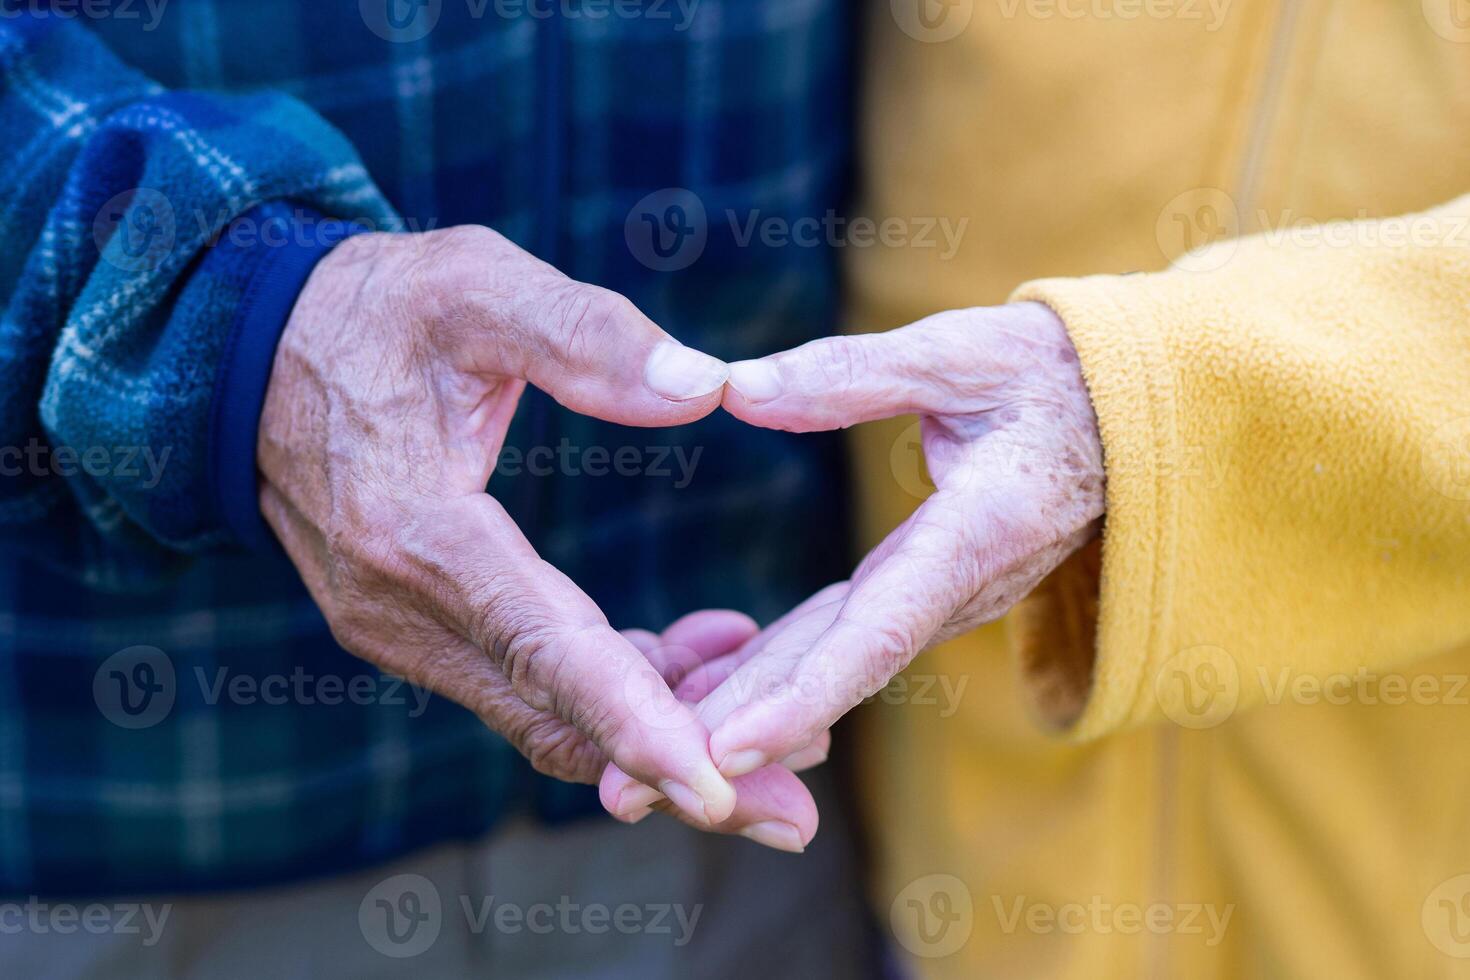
(568,459)
(153,10)
(402,916)
(407,21)
(1100,916)
(670,229)
(833,230)
(37,458)
(137,688)
(1211,12)
(37,917)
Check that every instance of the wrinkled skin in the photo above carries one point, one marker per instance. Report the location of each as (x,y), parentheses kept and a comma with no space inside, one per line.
(1011,441)
(392,389)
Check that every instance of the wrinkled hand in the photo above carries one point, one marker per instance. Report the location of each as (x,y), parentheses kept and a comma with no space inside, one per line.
(392,389)
(773,807)
(1011,442)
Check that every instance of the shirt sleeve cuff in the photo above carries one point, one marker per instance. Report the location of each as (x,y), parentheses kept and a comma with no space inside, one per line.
(284,247)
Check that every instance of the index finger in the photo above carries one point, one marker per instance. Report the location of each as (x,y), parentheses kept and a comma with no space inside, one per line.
(560,654)
(904,593)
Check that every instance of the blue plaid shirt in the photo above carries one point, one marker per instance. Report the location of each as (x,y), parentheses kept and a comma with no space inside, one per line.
(173,712)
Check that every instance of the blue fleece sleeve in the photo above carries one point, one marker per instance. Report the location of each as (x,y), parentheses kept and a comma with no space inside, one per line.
(132,303)
(276,247)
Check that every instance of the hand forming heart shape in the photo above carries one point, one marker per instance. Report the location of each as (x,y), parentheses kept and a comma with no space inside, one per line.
(389,400)
(1011,439)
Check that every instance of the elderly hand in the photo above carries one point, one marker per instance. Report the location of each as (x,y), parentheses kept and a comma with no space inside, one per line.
(391,393)
(773,807)
(1012,444)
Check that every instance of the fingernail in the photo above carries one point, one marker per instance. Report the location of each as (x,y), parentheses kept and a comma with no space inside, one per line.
(741,762)
(636,798)
(757,381)
(680,373)
(804,759)
(685,799)
(712,803)
(775,833)
(718,795)
(636,815)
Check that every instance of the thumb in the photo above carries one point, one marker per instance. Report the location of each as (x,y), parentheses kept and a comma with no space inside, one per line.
(604,358)
(510,314)
(597,354)
(836,382)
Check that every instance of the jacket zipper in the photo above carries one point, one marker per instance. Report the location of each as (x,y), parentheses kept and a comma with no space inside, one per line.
(1268,104)
(1247,194)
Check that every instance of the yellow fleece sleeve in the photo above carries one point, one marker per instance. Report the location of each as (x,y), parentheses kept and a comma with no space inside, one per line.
(1285,422)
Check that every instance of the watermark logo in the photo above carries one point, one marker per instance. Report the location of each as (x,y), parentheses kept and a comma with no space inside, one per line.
(650,693)
(401,917)
(135,688)
(1194,221)
(1450,19)
(1446,459)
(401,21)
(933,916)
(932,21)
(906,462)
(1445,917)
(1198,687)
(135,231)
(667,230)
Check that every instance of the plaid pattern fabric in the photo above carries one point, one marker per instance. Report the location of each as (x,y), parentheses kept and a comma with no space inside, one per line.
(201,730)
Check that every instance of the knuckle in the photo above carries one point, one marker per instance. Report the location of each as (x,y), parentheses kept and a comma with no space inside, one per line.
(440,267)
(835,362)
(445,242)
(885,652)
(524,648)
(604,715)
(532,644)
(474,237)
(589,317)
(537,658)
(555,749)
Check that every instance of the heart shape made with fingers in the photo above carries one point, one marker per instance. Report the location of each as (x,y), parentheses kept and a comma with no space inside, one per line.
(1011,440)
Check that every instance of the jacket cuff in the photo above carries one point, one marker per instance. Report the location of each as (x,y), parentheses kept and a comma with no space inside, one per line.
(1084,653)
(284,247)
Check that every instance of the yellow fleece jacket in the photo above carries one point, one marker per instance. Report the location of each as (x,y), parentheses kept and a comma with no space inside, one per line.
(1232,738)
